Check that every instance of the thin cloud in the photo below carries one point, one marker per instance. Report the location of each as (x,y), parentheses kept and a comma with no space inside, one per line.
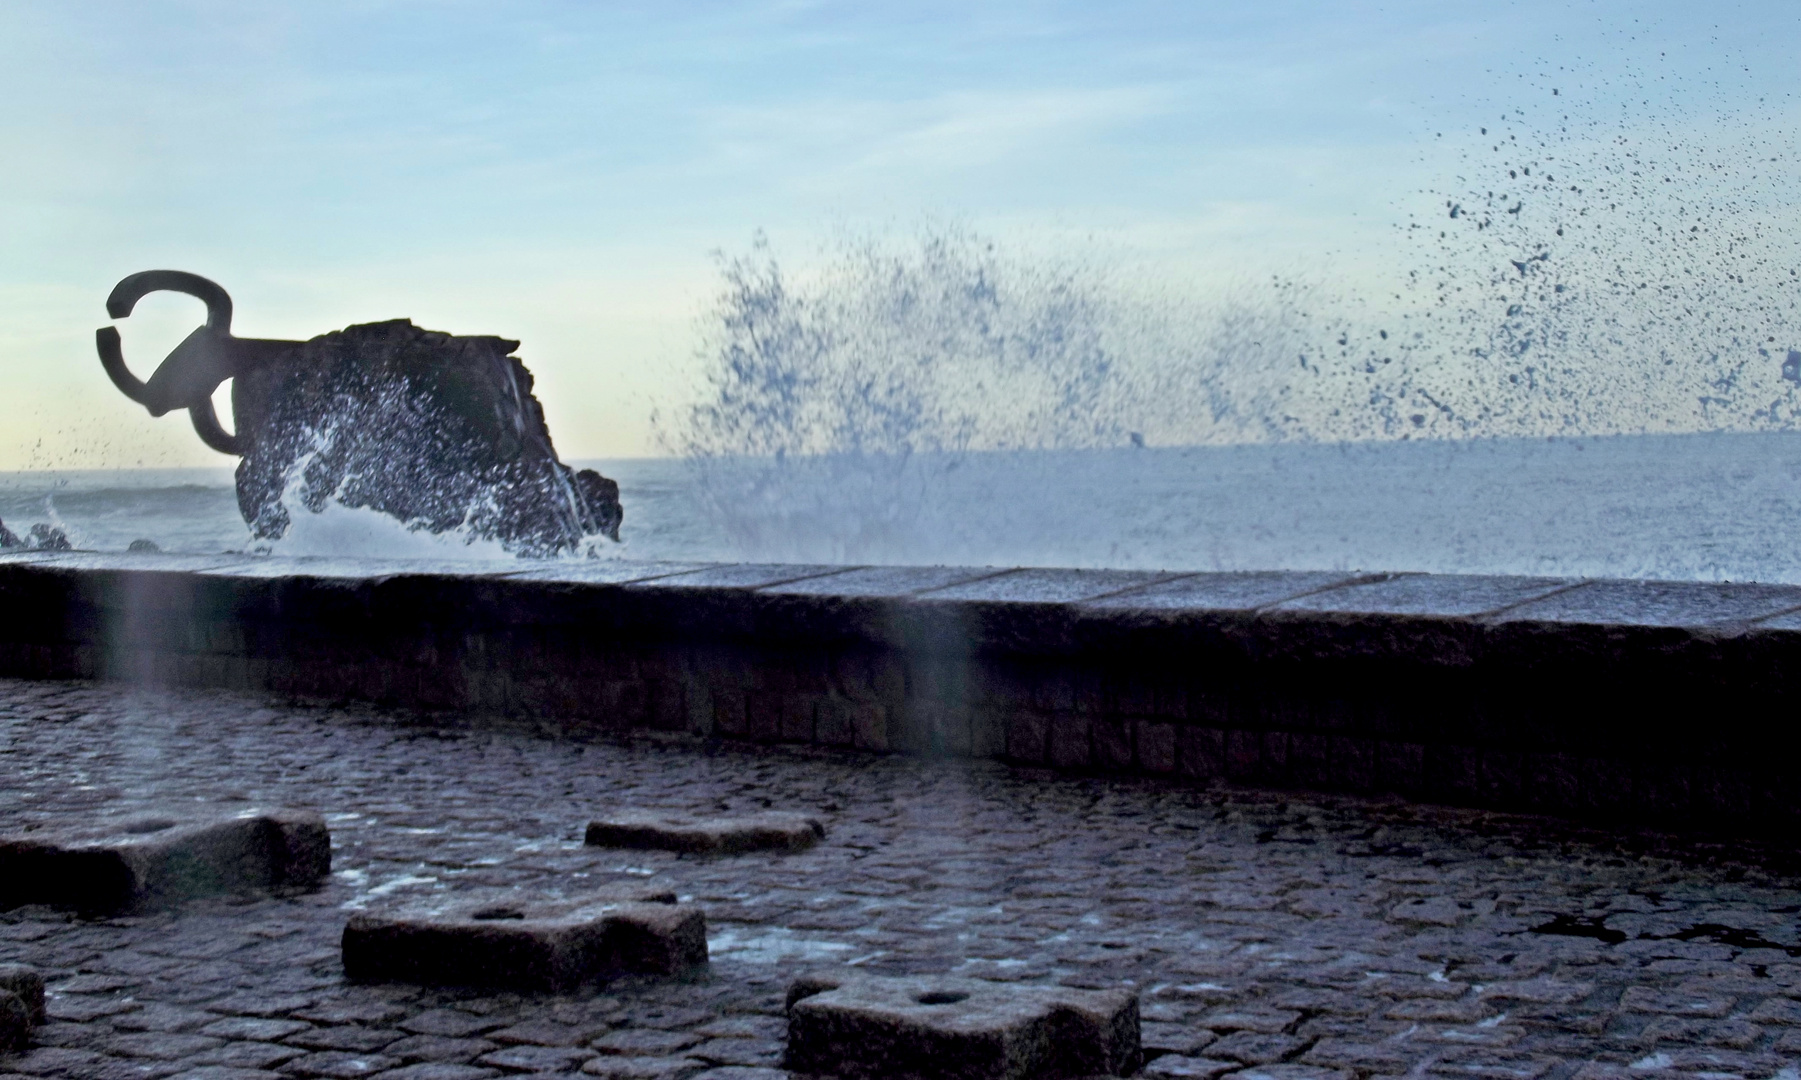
(828,145)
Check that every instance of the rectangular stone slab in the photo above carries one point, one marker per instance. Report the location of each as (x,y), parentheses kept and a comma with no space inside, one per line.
(158,857)
(940,1028)
(775,830)
(527,944)
(15,1024)
(21,1006)
(25,982)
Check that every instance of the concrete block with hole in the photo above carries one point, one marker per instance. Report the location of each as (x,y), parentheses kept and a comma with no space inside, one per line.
(773,830)
(940,1028)
(156,858)
(21,1006)
(521,943)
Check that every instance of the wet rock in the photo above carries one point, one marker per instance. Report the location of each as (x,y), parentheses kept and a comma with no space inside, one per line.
(537,1059)
(253,1029)
(157,858)
(941,1027)
(1264,1021)
(24,981)
(353,1038)
(448,1024)
(47,538)
(1290,1071)
(144,545)
(1255,1048)
(642,1068)
(775,830)
(439,431)
(1184,1067)
(432,1070)
(527,944)
(645,1042)
(339,1065)
(39,537)
(1174,1038)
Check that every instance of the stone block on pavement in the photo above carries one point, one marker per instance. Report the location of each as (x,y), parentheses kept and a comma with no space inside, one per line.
(774,830)
(520,943)
(15,1023)
(159,857)
(967,1029)
(24,981)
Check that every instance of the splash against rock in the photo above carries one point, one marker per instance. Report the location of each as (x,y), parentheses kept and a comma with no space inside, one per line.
(438,431)
(40,537)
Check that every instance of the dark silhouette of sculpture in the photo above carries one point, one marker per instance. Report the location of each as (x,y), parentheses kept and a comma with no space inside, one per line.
(438,431)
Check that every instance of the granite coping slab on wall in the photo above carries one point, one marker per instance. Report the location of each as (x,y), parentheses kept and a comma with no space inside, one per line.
(1306,616)
(1489,689)
(990,607)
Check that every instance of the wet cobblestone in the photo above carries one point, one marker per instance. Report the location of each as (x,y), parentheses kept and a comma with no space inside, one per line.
(1293,937)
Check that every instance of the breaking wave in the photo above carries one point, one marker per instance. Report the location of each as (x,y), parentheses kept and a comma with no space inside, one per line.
(320,517)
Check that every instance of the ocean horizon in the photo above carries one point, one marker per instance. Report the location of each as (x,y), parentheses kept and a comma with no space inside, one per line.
(1708,506)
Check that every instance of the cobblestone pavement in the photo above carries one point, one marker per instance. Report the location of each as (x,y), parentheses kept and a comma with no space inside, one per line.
(1271,935)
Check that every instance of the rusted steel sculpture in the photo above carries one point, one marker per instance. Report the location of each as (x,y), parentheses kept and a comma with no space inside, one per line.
(439,431)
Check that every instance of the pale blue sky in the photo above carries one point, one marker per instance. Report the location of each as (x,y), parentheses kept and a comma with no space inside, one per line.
(559,172)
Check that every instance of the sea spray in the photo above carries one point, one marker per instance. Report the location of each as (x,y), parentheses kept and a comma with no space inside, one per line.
(318,519)
(1607,255)
(1612,251)
(834,409)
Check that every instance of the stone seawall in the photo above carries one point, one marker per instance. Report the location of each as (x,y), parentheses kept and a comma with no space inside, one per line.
(1652,702)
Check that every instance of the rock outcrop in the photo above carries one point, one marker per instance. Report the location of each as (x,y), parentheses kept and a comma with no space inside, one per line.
(439,431)
(39,537)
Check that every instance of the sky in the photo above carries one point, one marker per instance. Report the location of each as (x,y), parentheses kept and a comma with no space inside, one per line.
(566,173)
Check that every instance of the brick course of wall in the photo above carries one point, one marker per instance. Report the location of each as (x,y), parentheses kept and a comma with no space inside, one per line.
(1660,703)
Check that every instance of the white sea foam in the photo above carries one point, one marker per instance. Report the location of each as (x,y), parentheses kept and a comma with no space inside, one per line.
(329,527)
(358,531)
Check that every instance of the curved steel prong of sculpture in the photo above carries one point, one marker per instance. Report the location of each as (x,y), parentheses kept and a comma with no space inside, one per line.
(188,376)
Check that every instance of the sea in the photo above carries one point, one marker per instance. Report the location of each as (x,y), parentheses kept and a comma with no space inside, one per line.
(1708,507)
